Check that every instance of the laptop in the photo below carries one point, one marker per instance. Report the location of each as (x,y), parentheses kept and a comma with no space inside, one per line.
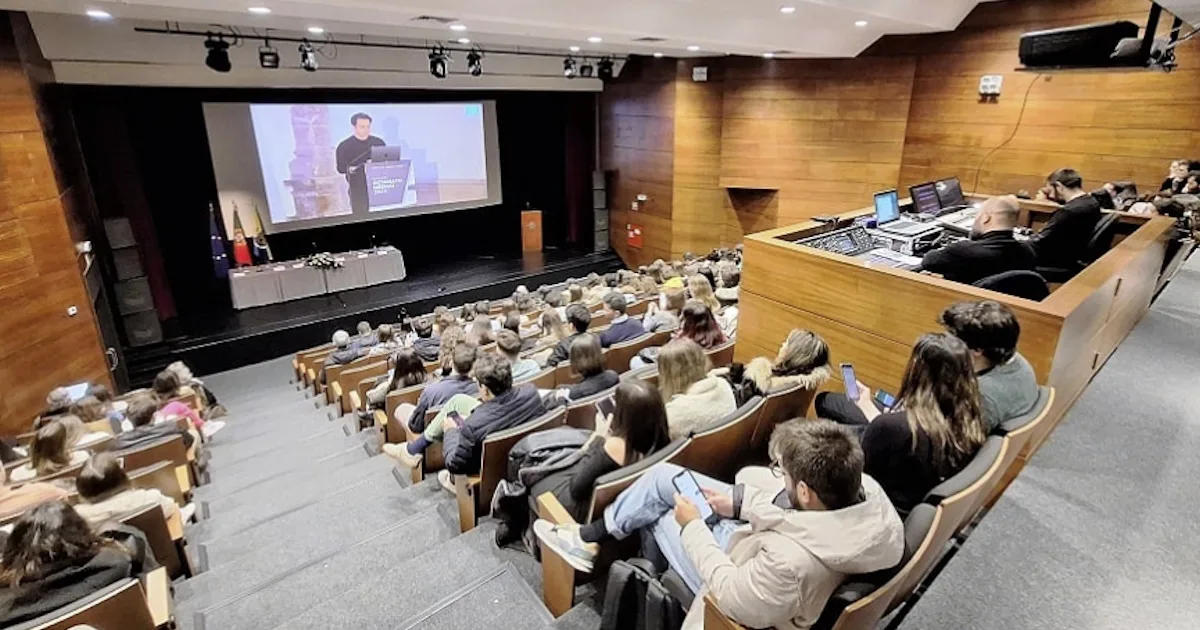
(950,195)
(385,154)
(925,199)
(887,215)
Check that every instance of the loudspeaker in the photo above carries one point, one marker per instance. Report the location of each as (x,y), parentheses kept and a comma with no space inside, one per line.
(133,296)
(600,210)
(128,263)
(142,328)
(119,233)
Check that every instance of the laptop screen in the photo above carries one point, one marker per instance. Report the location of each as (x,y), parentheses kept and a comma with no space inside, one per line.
(925,198)
(887,207)
(950,193)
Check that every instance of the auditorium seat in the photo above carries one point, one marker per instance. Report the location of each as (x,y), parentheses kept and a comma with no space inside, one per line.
(165,537)
(581,413)
(170,449)
(542,380)
(779,405)
(393,430)
(721,355)
(1020,432)
(619,354)
(129,605)
(1023,284)
(1098,245)
(723,448)
(348,379)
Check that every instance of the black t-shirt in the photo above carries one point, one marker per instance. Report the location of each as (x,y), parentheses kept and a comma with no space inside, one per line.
(1063,241)
(989,254)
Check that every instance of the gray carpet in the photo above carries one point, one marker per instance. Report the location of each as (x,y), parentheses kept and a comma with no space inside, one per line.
(1098,531)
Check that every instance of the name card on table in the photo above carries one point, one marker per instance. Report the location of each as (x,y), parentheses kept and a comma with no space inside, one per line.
(280,268)
(298,266)
(361,256)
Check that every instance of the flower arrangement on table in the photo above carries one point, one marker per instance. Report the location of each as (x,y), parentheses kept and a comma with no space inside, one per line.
(324,260)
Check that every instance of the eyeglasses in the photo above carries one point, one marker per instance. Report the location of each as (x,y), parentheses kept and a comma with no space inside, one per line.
(776,468)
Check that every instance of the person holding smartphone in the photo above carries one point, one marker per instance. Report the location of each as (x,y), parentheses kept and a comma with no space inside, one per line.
(777,543)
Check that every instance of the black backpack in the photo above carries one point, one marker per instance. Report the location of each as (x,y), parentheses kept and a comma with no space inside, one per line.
(635,599)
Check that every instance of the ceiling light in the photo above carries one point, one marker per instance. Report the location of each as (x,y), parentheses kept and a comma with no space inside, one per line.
(259,10)
(268,57)
(604,69)
(594,40)
(569,68)
(860,23)
(658,55)
(316,30)
(308,57)
(439,63)
(693,48)
(768,55)
(475,62)
(97,14)
(574,49)
(458,28)
(218,54)
(787,9)
(464,40)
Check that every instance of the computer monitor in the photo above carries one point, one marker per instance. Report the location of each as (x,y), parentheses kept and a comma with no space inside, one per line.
(950,193)
(385,154)
(925,198)
(887,207)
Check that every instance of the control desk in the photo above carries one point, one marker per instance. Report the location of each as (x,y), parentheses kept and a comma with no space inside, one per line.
(857,242)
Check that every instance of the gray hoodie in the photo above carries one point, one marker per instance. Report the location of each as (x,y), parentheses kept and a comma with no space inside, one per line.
(783,565)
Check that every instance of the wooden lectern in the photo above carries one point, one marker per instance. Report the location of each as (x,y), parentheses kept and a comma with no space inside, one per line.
(531,230)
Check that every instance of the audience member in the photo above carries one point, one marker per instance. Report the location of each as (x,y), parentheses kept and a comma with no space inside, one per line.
(53,559)
(1007,385)
(701,291)
(575,294)
(992,248)
(553,328)
(106,493)
(1063,242)
(141,415)
(509,345)
(695,399)
(579,318)
(17,500)
(480,333)
(664,314)
(468,314)
(189,380)
(345,352)
(89,409)
(49,453)
(700,325)
(451,339)
(427,345)
(78,434)
(729,292)
(407,371)
(167,391)
(623,327)
(58,402)
(587,360)
(803,360)
(387,342)
(366,337)
(782,538)
(1176,177)
(437,395)
(933,430)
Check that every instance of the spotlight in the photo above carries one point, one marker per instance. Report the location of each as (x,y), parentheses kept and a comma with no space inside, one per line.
(604,69)
(268,57)
(569,68)
(218,54)
(586,70)
(308,57)
(439,65)
(475,62)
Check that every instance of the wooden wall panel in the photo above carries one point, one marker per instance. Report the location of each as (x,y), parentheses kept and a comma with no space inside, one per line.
(40,346)
(701,219)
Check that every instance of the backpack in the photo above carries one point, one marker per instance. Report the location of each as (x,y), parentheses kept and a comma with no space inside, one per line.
(635,599)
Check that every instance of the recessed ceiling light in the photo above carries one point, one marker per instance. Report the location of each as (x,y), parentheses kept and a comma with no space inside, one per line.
(97,14)
(658,55)
(458,28)
(259,10)
(574,49)
(595,40)
(787,9)
(693,48)
(464,40)
(316,30)
(860,23)
(768,55)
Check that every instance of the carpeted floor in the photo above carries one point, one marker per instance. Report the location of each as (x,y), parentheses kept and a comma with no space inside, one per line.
(1099,531)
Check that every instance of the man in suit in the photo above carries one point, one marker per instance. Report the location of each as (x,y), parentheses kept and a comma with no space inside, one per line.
(141,415)
(623,327)
(992,248)
(1063,242)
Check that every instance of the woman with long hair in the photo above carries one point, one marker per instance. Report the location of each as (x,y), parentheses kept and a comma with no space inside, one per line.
(53,558)
(554,329)
(480,333)
(451,337)
(694,398)
(803,360)
(932,431)
(407,371)
(701,290)
(700,325)
(49,453)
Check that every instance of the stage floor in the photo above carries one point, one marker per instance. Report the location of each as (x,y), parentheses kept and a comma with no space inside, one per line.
(215,342)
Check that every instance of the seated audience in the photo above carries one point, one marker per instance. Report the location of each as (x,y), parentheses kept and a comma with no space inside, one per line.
(141,415)
(554,329)
(436,395)
(700,325)
(89,409)
(695,399)
(78,434)
(426,345)
(49,453)
(345,352)
(114,409)
(803,360)
(1008,387)
(366,337)
(53,559)
(387,342)
(575,294)
(1063,241)
(167,389)
(933,430)
(187,379)
(19,499)
(480,332)
(579,319)
(58,402)
(509,345)
(587,360)
(106,493)
(623,327)
(701,291)
(407,371)
(782,539)
(1176,177)
(468,314)
(992,248)
(664,314)
(729,292)
(451,339)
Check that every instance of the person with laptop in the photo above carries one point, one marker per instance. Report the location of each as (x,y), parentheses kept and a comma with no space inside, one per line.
(1063,242)
(992,248)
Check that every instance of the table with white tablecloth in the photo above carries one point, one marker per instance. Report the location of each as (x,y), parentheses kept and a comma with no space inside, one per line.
(285,281)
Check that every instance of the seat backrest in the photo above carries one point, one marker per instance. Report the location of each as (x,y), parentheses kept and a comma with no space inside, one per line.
(564,375)
(1020,429)
(541,380)
(581,413)
(721,355)
(120,605)
(349,378)
(780,405)
(151,521)
(638,308)
(1021,283)
(410,395)
(721,449)
(648,373)
(607,487)
(494,464)
(600,320)
(1102,237)
(169,449)
(161,477)
(989,458)
(620,354)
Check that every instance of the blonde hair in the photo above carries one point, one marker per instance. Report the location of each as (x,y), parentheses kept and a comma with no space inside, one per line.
(702,291)
(75,428)
(681,364)
(553,325)
(451,337)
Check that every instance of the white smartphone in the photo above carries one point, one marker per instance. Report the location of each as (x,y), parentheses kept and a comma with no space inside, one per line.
(686,484)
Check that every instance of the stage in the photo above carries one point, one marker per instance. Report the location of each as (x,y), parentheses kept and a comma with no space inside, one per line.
(216,342)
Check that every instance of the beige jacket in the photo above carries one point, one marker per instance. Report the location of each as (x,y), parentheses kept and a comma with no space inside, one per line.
(124,503)
(759,371)
(705,402)
(784,564)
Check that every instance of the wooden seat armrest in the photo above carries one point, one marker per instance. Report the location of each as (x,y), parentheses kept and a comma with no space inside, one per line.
(158,597)
(550,509)
(558,577)
(336,388)
(183,475)
(355,401)
(466,492)
(381,418)
(714,619)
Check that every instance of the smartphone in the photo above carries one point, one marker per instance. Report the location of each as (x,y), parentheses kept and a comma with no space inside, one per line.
(453,415)
(686,484)
(606,406)
(885,399)
(850,380)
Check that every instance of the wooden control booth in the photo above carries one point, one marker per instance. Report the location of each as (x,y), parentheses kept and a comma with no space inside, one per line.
(872,315)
